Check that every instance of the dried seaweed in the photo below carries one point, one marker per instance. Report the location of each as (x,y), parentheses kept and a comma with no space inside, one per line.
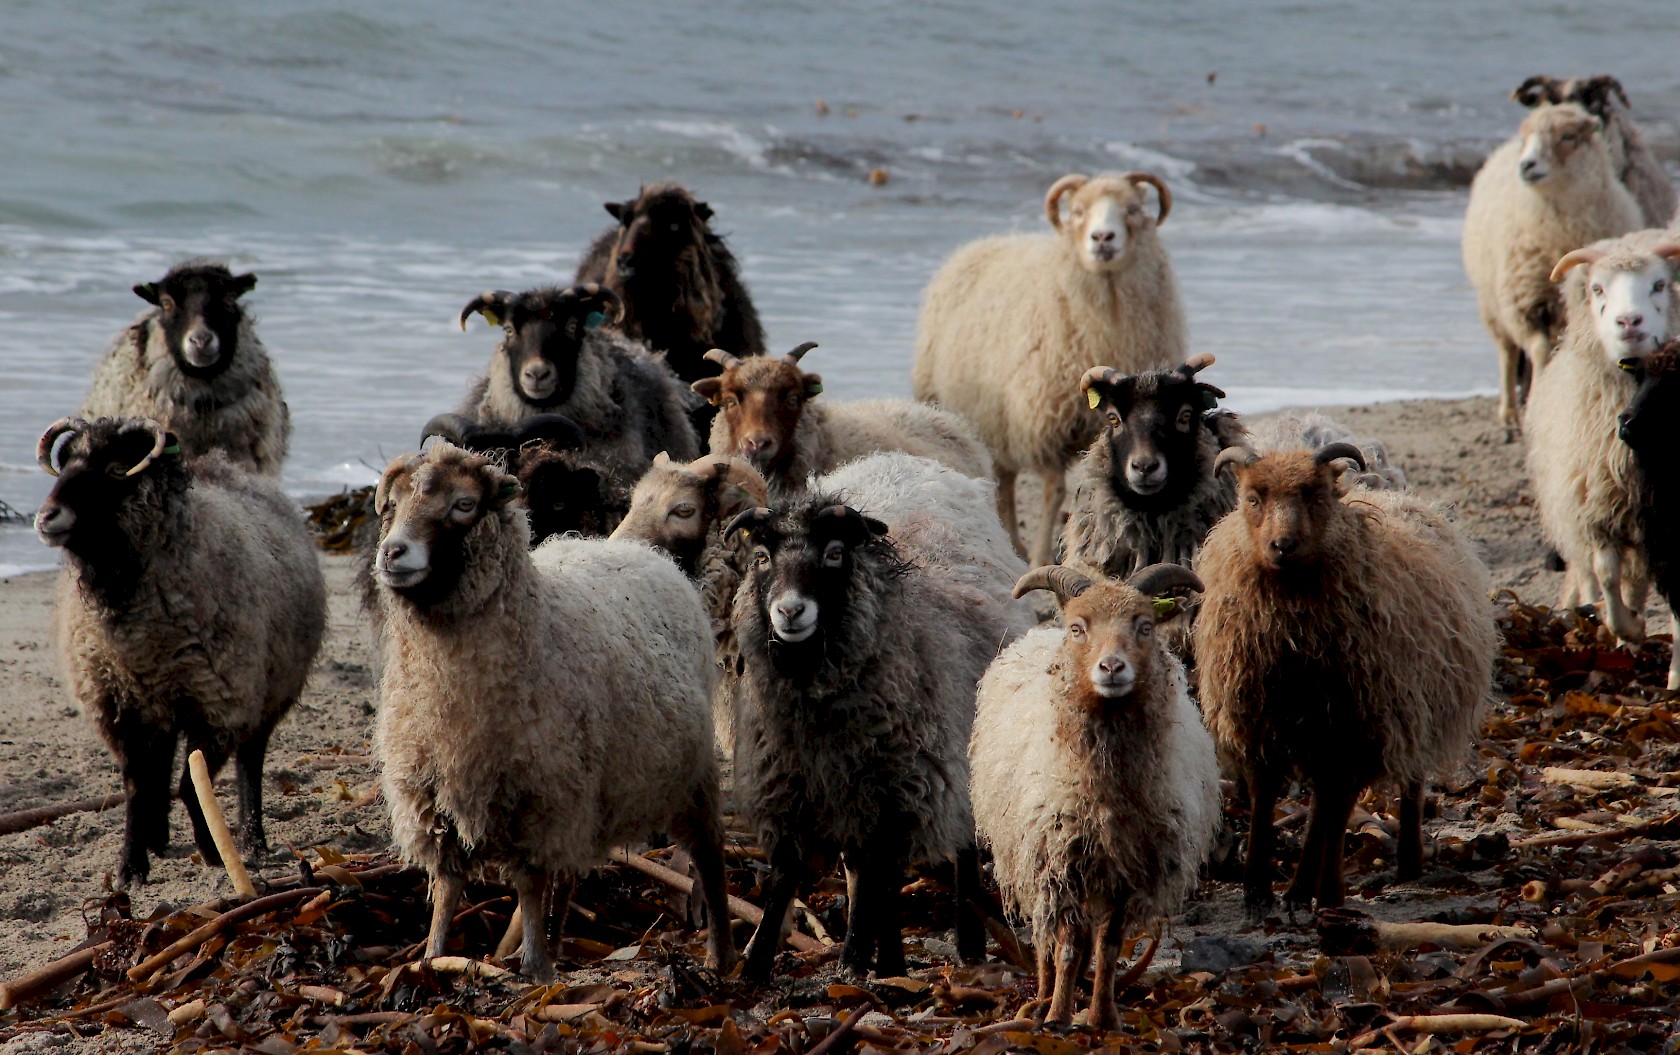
(338,521)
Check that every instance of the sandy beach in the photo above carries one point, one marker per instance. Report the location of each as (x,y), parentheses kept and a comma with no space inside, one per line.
(320,775)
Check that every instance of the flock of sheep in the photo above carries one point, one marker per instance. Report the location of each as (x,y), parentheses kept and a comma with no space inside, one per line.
(641,542)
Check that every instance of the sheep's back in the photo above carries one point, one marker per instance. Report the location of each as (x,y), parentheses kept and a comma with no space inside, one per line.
(856,429)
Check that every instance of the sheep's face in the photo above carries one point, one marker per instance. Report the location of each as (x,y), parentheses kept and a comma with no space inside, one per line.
(1287,500)
(564,495)
(1111,642)
(1154,424)
(674,506)
(656,230)
(544,331)
(801,566)
(1631,305)
(430,507)
(1104,215)
(1557,140)
(762,400)
(1647,425)
(198,308)
(101,465)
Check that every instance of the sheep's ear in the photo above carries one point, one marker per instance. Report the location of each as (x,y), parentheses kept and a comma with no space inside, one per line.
(709,389)
(748,519)
(382,493)
(503,487)
(1165,608)
(618,210)
(242,284)
(148,292)
(813,385)
(702,210)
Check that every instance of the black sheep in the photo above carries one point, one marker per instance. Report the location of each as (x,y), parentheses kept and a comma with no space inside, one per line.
(1647,427)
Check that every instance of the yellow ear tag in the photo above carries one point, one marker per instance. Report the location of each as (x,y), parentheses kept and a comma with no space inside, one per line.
(1093,397)
(1165,608)
(490,317)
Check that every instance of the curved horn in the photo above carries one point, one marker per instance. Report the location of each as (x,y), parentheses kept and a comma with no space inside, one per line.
(47,451)
(160,440)
(1160,578)
(1242,457)
(1332,451)
(456,428)
(792,358)
(556,430)
(1065,583)
(1099,375)
(1195,364)
(1161,190)
(588,291)
(1667,251)
(734,471)
(722,358)
(746,518)
(1053,197)
(1537,89)
(491,303)
(1575,258)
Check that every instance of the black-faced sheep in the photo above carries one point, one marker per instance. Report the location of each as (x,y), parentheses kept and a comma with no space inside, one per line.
(537,709)
(1622,305)
(679,284)
(1545,191)
(855,705)
(1094,782)
(1008,323)
(1145,492)
(190,607)
(769,416)
(1647,427)
(1633,162)
(1345,637)
(192,361)
(557,356)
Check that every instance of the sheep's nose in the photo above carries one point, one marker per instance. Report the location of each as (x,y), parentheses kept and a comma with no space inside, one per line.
(754,446)
(1624,427)
(1104,237)
(1145,466)
(1284,546)
(1631,322)
(394,551)
(1527,166)
(1112,664)
(791,610)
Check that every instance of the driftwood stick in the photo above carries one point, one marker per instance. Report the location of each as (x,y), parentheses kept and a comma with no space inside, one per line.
(1440,1024)
(231,860)
(23,820)
(1645,827)
(841,1032)
(47,978)
(742,909)
(1512,999)
(1135,971)
(1346,931)
(239,913)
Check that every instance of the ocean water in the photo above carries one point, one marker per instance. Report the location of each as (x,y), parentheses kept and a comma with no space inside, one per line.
(377,166)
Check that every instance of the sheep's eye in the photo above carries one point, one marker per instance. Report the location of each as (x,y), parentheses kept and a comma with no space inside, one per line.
(1597,290)
(1252,500)
(761,557)
(1145,628)
(791,399)
(1185,419)
(167,303)
(466,504)
(730,402)
(676,227)
(1076,628)
(1114,421)
(684,511)
(834,554)
(1659,285)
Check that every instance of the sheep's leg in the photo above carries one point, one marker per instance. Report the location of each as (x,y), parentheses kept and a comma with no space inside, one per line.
(1310,864)
(786,869)
(215,756)
(1410,857)
(248,764)
(144,754)
(1572,596)
(447,887)
(1628,626)
(1073,953)
(1107,936)
(703,835)
(889,941)
(1636,585)
(1510,363)
(1263,787)
(1006,508)
(533,885)
(1046,956)
(863,929)
(971,918)
(1332,806)
(1050,527)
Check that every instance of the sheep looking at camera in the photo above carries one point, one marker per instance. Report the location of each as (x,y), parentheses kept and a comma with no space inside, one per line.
(1095,784)
(1634,163)
(1008,323)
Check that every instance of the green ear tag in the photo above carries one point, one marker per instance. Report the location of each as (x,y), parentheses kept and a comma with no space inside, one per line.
(507,490)
(1093,397)
(814,388)
(173,448)
(593,319)
(1165,608)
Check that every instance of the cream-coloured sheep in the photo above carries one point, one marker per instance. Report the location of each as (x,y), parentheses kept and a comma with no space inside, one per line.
(1633,161)
(1547,190)
(1009,324)
(1622,305)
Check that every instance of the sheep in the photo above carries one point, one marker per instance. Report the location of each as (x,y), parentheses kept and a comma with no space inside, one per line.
(1543,192)
(536,709)
(770,417)
(1095,784)
(193,362)
(1585,481)
(1646,427)
(1634,163)
(191,605)
(564,489)
(679,284)
(1346,636)
(1007,324)
(1145,491)
(557,356)
(1313,430)
(854,708)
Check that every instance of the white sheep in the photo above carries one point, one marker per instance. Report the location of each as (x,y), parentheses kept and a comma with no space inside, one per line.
(1010,323)
(1633,161)
(1622,305)
(1094,782)
(537,709)
(1547,190)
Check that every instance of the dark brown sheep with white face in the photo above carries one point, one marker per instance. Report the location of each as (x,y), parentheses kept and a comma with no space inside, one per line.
(680,285)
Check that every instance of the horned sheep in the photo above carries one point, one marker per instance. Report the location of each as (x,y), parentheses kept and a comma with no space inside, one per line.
(1095,784)
(500,743)
(1647,427)
(192,361)
(1547,190)
(1622,306)
(1634,163)
(191,606)
(1344,636)
(769,415)
(1008,323)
